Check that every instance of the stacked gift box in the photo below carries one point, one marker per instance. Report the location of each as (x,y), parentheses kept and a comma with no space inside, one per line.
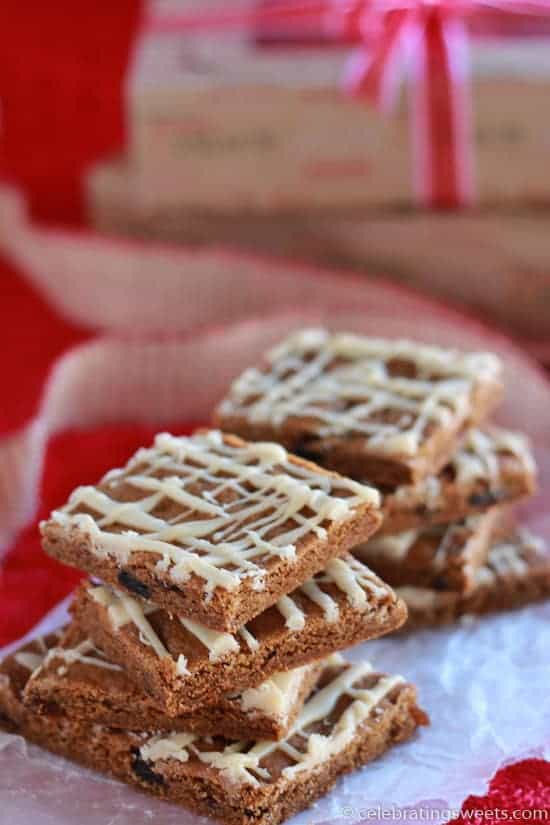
(237,142)
(203,661)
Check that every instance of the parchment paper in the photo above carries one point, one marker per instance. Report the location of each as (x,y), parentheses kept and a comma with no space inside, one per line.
(484,684)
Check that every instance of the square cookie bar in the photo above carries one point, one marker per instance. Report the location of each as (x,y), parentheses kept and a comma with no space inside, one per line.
(443,556)
(76,678)
(184,665)
(517,573)
(491,466)
(15,671)
(353,716)
(210,527)
(389,411)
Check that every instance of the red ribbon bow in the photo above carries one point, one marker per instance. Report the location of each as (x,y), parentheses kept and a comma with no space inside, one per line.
(425,42)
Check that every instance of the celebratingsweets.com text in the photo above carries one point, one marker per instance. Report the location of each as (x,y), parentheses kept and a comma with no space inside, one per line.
(437,815)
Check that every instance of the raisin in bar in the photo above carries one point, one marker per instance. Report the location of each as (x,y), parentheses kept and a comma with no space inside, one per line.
(517,573)
(443,556)
(389,411)
(77,678)
(353,715)
(183,665)
(491,466)
(210,527)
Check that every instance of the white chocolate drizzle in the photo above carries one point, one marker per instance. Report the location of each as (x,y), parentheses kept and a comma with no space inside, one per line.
(239,763)
(251,642)
(33,660)
(85,653)
(395,547)
(422,598)
(348,575)
(343,383)
(478,457)
(295,618)
(235,508)
(219,644)
(275,697)
(505,559)
(476,460)
(278,694)
(122,609)
(164,747)
(459,538)
(322,600)
(508,558)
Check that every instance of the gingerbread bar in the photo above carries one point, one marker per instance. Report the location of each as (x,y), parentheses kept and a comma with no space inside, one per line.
(389,411)
(210,527)
(443,557)
(184,665)
(76,677)
(352,716)
(517,573)
(491,466)
(15,671)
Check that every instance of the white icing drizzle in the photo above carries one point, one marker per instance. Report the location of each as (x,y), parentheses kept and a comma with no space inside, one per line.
(81,654)
(85,653)
(115,605)
(327,604)
(275,697)
(321,748)
(181,665)
(506,558)
(395,548)
(146,632)
(334,660)
(248,639)
(343,383)
(234,765)
(477,459)
(278,694)
(122,609)
(219,644)
(167,747)
(352,578)
(31,661)
(461,536)
(249,509)
(295,618)
(240,764)
(420,598)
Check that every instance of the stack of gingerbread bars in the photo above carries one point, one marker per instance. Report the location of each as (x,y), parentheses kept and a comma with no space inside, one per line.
(203,664)
(412,421)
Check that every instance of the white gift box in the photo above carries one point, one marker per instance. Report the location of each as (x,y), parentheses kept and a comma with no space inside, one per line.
(219,123)
(258,147)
